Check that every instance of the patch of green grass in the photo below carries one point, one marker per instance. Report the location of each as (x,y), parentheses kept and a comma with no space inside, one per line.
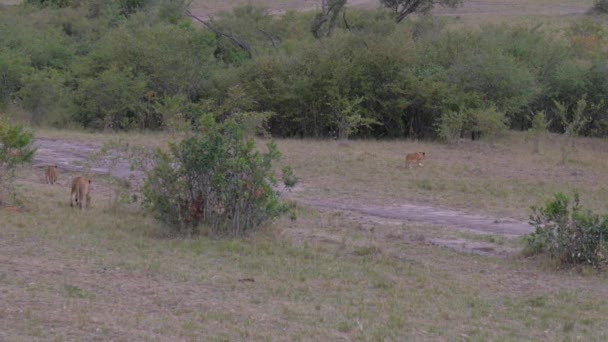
(72,291)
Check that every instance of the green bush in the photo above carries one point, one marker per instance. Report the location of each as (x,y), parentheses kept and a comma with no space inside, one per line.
(568,233)
(489,122)
(217,179)
(15,149)
(450,126)
(600,6)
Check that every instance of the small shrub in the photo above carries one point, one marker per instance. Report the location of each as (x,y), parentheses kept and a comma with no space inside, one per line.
(538,130)
(450,126)
(15,149)
(489,122)
(570,234)
(215,178)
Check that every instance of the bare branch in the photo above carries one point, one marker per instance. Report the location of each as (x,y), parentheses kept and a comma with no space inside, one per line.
(237,41)
(273,40)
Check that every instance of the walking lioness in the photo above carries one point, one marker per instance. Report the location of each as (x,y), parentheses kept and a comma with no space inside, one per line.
(81,190)
(414,158)
(50,175)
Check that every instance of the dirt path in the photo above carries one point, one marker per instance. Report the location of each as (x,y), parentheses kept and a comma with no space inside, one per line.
(73,156)
(432,216)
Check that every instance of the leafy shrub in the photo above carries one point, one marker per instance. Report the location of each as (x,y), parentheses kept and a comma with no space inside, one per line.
(489,122)
(450,126)
(15,149)
(215,178)
(110,101)
(538,129)
(12,69)
(497,76)
(570,234)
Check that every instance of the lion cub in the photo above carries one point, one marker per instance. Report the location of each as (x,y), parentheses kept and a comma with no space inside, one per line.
(50,175)
(81,191)
(414,158)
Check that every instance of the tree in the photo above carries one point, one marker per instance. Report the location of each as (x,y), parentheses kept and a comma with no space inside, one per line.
(403,8)
(15,149)
(330,10)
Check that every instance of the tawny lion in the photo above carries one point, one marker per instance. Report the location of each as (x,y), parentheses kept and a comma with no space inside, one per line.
(81,191)
(50,174)
(414,158)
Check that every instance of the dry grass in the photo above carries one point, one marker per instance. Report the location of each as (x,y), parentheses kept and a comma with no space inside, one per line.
(502,178)
(116,275)
(113,273)
(142,138)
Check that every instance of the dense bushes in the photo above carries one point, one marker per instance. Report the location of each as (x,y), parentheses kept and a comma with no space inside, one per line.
(138,64)
(568,233)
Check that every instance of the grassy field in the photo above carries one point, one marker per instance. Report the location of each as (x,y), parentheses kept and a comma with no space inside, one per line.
(114,273)
(502,178)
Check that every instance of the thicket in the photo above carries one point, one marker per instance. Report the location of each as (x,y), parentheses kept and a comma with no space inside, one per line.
(146,64)
(568,233)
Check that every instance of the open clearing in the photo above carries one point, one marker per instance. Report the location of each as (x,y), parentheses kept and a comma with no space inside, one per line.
(350,267)
(73,156)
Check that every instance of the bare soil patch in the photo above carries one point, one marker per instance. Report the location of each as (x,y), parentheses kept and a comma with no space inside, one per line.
(73,156)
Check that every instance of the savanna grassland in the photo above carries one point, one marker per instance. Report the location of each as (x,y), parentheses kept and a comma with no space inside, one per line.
(113,272)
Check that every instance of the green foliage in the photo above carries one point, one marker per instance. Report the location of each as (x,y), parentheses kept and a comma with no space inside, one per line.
(110,100)
(368,76)
(12,68)
(568,233)
(45,96)
(50,3)
(572,126)
(324,23)
(538,129)
(15,149)
(450,126)
(497,76)
(489,121)
(215,178)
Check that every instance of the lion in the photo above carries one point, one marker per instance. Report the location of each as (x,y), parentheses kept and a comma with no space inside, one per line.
(81,190)
(414,158)
(50,174)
